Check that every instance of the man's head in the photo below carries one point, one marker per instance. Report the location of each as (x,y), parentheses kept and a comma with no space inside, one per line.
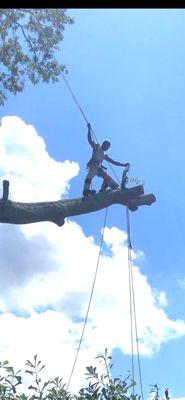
(105,145)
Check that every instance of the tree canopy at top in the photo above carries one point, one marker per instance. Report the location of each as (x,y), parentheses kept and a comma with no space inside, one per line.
(29,39)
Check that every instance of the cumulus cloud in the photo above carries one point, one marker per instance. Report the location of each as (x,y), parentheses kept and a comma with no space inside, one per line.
(46,273)
(160,297)
(34,175)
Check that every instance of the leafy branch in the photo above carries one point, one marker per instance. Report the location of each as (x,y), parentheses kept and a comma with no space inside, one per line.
(33,58)
(102,386)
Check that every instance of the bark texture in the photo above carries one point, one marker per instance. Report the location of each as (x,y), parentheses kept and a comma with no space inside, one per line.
(12,212)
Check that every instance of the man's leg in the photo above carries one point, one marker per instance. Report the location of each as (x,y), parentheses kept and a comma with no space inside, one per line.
(104,186)
(107,180)
(90,175)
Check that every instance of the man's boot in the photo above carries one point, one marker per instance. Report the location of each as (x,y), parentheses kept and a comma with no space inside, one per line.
(104,186)
(88,192)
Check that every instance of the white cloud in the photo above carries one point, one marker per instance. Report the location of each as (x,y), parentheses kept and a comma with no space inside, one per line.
(25,161)
(177,398)
(46,273)
(160,298)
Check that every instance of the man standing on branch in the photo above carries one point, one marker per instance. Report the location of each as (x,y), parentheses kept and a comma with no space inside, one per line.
(95,166)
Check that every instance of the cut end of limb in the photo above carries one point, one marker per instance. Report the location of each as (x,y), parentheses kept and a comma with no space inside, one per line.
(144,199)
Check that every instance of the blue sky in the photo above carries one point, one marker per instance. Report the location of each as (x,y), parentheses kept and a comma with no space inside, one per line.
(126,68)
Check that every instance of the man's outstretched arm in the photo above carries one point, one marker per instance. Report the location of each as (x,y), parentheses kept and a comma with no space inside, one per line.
(110,160)
(89,137)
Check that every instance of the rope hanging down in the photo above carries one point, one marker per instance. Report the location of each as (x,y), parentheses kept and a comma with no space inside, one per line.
(131,283)
(133,320)
(90,300)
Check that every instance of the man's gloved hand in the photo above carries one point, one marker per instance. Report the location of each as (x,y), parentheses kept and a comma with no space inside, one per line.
(88,125)
(127,164)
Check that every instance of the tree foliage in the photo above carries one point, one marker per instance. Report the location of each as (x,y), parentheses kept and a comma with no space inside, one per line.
(29,39)
(101,385)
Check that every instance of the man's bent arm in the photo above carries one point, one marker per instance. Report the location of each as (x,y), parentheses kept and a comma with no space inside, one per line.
(107,158)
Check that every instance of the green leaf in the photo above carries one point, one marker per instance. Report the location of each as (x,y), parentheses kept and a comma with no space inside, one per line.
(29,372)
(33,388)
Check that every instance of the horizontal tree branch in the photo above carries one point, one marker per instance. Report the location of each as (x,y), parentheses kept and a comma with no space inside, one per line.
(12,212)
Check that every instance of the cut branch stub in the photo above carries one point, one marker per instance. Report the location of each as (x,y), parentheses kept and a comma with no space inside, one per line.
(5,190)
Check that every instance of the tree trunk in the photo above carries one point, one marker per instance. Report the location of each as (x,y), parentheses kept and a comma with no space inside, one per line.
(12,212)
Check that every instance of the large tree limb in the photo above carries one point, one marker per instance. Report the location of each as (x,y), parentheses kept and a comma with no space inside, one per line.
(12,212)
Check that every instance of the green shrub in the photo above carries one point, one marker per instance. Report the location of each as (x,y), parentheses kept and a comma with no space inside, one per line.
(100,386)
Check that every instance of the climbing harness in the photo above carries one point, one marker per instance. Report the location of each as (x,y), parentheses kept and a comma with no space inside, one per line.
(133,320)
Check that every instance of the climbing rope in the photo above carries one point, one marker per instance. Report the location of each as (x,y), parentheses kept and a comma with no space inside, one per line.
(77,103)
(133,319)
(129,247)
(117,179)
(85,118)
(90,300)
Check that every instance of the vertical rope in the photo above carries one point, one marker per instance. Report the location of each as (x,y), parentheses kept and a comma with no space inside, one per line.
(129,246)
(90,300)
(131,320)
(136,333)
(133,304)
(131,284)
